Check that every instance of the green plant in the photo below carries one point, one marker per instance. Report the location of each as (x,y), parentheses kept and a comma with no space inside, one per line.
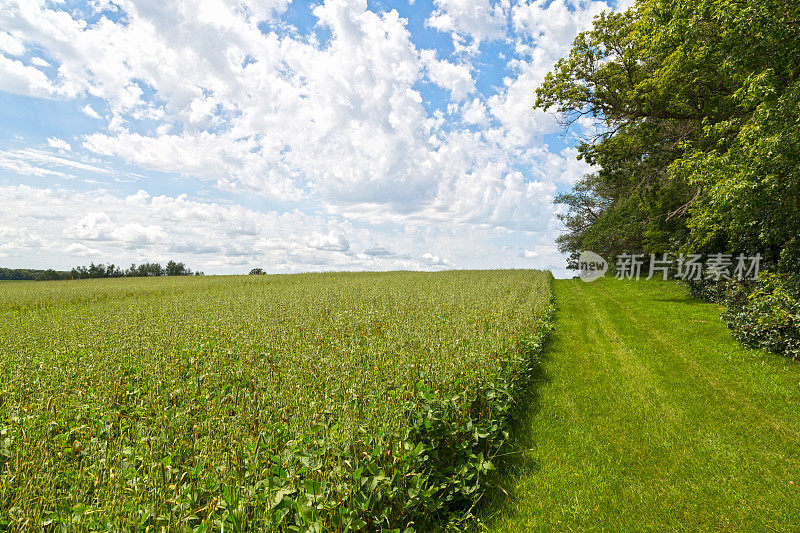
(766,313)
(325,402)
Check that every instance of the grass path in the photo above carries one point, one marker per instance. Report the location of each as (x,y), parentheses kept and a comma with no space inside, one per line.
(650,417)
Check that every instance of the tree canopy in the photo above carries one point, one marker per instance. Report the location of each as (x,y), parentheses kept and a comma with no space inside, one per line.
(173,268)
(698,142)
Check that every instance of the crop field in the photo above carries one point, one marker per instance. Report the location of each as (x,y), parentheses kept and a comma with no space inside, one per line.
(313,402)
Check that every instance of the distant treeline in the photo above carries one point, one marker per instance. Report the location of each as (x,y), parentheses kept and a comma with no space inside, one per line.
(144,270)
(100,270)
(30,274)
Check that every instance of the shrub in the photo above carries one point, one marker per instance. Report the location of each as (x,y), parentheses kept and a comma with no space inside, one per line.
(709,289)
(765,313)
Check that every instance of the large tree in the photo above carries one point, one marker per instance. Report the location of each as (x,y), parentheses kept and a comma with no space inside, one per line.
(698,147)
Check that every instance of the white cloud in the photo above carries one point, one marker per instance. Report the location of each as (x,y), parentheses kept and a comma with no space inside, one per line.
(74,227)
(59,144)
(138,234)
(342,123)
(545,32)
(94,226)
(43,163)
(81,250)
(78,227)
(455,78)
(624,5)
(553,24)
(333,242)
(336,127)
(11,45)
(566,168)
(18,162)
(474,112)
(435,260)
(39,62)
(89,112)
(16,77)
(478,20)
(13,239)
(98,226)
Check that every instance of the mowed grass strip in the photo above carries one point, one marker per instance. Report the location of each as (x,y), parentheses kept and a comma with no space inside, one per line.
(187,402)
(650,417)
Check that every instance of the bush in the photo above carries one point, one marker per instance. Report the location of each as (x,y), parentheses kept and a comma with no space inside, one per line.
(765,313)
(709,290)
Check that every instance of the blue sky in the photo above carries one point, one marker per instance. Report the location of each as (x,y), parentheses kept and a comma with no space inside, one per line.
(292,136)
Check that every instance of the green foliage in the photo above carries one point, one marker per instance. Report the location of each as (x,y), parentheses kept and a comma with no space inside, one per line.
(699,104)
(765,314)
(22,274)
(176,269)
(708,289)
(762,313)
(49,275)
(93,271)
(326,402)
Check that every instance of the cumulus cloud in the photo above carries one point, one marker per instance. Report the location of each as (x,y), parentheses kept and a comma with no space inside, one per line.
(99,226)
(342,122)
(469,20)
(332,242)
(475,112)
(72,226)
(11,45)
(77,249)
(435,260)
(94,226)
(456,78)
(545,31)
(16,77)
(331,123)
(14,238)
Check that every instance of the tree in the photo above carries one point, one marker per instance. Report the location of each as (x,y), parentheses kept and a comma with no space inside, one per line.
(112,271)
(177,269)
(699,148)
(150,269)
(80,272)
(100,271)
(48,275)
(256,272)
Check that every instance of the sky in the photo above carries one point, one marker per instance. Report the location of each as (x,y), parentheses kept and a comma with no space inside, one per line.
(291,136)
